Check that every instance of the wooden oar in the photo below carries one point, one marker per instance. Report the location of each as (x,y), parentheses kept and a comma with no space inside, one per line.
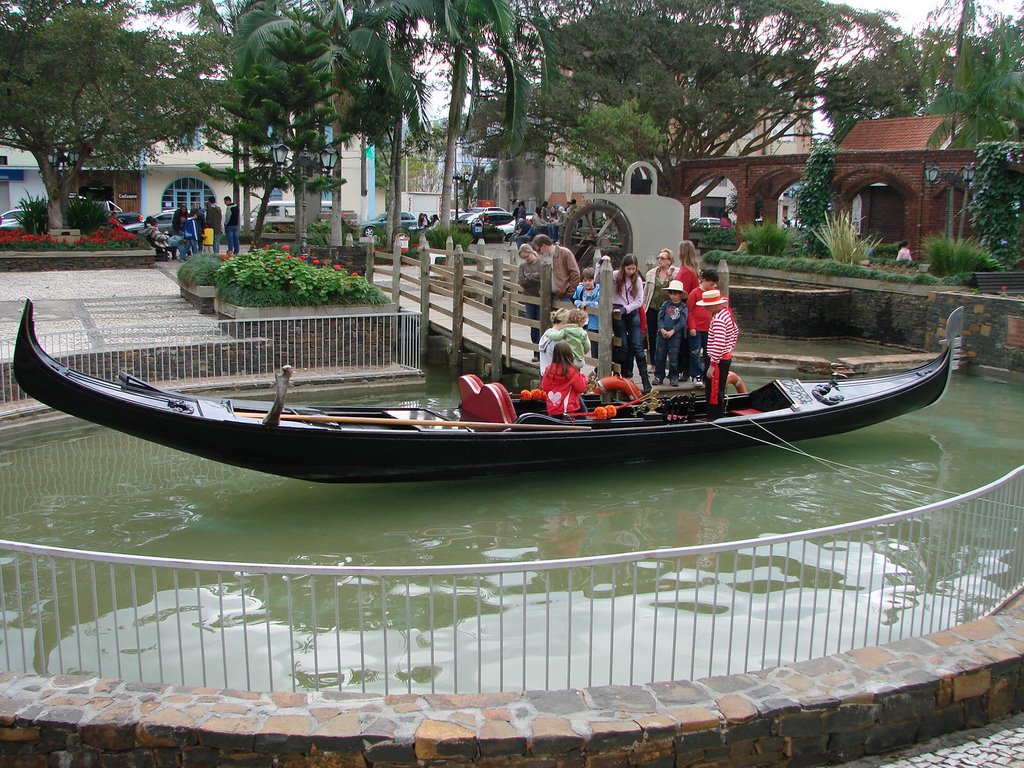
(417,422)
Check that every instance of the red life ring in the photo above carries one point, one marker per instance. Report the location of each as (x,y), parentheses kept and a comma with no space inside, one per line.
(626,387)
(736,381)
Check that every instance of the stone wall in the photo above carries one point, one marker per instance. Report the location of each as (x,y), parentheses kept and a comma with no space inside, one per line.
(773,303)
(828,710)
(28,261)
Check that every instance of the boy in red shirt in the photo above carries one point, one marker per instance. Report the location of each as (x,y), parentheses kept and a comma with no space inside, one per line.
(697,323)
(723,334)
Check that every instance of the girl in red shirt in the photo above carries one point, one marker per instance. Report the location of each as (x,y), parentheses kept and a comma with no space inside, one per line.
(563,382)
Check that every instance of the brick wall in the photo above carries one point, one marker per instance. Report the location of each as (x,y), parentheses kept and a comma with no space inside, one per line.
(827,710)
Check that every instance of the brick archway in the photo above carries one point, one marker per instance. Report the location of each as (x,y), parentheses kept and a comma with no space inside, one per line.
(924,205)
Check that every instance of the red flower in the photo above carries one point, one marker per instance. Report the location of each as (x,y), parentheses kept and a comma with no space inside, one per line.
(355,274)
(278,259)
(337,266)
(316,261)
(286,247)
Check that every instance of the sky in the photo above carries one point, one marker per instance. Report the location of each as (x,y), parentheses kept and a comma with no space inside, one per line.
(912,14)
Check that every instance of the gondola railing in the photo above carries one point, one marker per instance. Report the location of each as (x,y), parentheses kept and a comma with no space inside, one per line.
(619,619)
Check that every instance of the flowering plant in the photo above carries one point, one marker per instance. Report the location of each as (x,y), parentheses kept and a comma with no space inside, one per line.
(103,239)
(274,277)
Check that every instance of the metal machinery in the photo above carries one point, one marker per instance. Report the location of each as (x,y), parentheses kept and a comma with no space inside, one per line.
(638,221)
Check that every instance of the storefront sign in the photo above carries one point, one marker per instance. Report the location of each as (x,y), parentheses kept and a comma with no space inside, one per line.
(127,196)
(12,174)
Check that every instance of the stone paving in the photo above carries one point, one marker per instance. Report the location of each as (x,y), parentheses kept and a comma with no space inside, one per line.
(999,744)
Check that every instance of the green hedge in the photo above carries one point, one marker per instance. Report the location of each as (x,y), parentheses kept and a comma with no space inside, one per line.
(830,267)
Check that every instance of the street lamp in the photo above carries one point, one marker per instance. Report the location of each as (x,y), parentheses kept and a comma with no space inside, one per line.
(953,178)
(458,178)
(307,163)
(61,160)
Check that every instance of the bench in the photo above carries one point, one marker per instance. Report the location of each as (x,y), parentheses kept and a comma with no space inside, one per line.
(1000,282)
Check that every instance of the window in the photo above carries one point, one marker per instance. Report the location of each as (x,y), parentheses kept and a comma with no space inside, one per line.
(188,190)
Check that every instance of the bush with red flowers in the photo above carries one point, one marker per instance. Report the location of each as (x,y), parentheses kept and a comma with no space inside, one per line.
(103,239)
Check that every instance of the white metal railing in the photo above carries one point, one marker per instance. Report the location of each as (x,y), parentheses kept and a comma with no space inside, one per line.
(617,619)
(186,354)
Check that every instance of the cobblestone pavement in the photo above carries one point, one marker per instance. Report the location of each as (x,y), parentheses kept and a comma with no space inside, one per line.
(91,300)
(997,744)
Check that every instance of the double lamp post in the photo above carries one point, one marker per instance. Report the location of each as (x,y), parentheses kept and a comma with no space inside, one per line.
(307,164)
(962,178)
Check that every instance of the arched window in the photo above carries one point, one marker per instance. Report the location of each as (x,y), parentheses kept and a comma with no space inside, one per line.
(188,190)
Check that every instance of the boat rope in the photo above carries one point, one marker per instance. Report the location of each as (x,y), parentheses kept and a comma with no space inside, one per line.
(913,486)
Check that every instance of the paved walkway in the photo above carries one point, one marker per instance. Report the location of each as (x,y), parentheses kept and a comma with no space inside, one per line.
(998,744)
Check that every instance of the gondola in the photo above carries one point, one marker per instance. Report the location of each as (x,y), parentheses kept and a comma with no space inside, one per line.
(489,433)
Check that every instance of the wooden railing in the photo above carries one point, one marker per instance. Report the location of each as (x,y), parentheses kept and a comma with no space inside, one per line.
(473,291)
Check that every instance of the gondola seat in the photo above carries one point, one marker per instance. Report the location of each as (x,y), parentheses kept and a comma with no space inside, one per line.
(490,403)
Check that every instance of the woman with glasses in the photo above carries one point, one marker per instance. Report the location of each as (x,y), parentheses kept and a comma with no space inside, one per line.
(655,286)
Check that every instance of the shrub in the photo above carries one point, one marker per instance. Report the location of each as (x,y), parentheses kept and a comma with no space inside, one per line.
(814,197)
(86,215)
(274,277)
(34,215)
(840,238)
(886,251)
(437,237)
(953,257)
(768,239)
(199,270)
(830,267)
(717,236)
(319,232)
(103,239)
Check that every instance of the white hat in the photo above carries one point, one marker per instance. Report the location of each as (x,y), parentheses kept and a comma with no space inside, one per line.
(676,285)
(711,298)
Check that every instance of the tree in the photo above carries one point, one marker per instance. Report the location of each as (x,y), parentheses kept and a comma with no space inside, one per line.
(75,75)
(466,34)
(714,78)
(283,97)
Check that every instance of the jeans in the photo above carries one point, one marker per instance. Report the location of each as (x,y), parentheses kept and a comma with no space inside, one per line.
(698,354)
(187,248)
(216,244)
(533,312)
(628,331)
(231,233)
(667,349)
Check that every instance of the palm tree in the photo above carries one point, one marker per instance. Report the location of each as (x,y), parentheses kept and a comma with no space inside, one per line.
(466,31)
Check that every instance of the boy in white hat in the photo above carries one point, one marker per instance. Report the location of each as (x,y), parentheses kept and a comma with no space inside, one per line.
(671,333)
(723,334)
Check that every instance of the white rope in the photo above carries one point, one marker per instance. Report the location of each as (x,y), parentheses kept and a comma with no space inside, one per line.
(778,442)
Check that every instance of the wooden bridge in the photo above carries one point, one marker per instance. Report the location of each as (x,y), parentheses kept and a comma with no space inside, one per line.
(474,299)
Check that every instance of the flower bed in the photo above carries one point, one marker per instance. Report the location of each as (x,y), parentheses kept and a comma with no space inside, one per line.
(103,239)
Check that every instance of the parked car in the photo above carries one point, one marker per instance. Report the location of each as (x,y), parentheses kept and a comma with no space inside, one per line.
(8,220)
(132,221)
(705,222)
(163,220)
(278,212)
(497,218)
(371,227)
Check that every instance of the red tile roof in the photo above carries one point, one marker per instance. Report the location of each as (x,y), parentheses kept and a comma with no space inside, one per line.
(891,133)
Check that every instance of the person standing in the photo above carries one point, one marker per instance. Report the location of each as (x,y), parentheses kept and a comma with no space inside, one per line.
(655,284)
(671,323)
(698,321)
(231,227)
(529,284)
(215,221)
(565,272)
(723,334)
(628,300)
(178,219)
(189,244)
(688,275)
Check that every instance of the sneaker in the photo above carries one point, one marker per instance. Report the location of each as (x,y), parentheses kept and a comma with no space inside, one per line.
(536,357)
(658,382)
(673,382)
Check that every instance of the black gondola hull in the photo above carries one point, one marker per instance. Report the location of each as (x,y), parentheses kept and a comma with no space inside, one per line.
(212,429)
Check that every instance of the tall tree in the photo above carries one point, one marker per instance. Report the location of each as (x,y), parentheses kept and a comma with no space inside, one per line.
(79,75)
(467,33)
(283,97)
(715,78)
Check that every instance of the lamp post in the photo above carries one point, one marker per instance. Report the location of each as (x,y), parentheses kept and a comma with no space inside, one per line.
(61,160)
(457,179)
(963,177)
(307,163)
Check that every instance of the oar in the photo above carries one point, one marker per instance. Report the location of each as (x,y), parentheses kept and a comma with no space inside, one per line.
(417,422)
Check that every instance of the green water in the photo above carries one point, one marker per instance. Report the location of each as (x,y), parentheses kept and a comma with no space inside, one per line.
(75,485)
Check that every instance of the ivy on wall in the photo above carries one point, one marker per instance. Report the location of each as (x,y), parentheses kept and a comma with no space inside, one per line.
(997,210)
(814,198)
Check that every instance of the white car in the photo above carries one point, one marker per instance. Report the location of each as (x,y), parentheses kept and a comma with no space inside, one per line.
(7,220)
(278,212)
(500,219)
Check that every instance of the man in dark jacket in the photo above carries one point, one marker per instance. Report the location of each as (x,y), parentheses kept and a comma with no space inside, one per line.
(215,221)
(231,227)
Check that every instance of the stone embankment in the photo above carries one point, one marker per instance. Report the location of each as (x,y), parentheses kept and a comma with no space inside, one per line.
(828,710)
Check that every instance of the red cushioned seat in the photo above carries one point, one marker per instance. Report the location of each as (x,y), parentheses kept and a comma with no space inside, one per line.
(485,402)
(745,412)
